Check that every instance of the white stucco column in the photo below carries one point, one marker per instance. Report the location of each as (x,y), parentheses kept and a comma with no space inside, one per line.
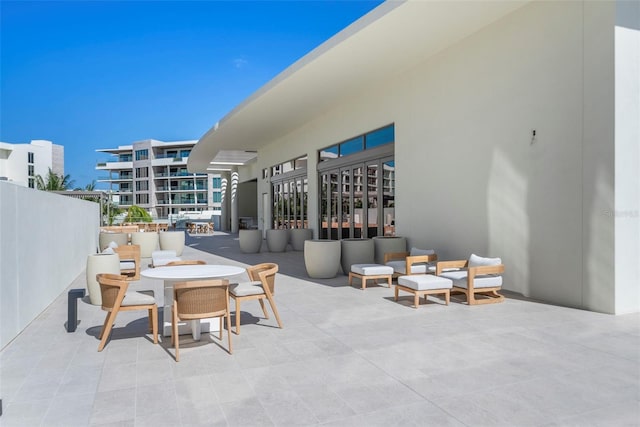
(234,200)
(224,199)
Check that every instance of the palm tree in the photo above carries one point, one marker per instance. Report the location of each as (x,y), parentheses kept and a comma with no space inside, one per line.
(53,182)
(137,214)
(89,187)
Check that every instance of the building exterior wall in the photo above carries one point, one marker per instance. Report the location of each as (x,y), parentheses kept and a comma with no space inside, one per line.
(39,229)
(14,160)
(166,189)
(472,177)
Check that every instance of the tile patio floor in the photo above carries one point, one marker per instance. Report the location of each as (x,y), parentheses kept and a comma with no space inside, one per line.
(345,357)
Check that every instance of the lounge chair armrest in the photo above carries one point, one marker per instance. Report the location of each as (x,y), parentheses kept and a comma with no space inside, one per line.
(485,269)
(421,258)
(390,256)
(441,265)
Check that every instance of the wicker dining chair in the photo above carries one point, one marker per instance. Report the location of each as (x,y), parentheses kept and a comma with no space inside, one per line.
(261,287)
(116,298)
(200,299)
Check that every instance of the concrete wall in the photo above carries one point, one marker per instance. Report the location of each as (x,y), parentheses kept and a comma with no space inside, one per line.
(44,242)
(471,175)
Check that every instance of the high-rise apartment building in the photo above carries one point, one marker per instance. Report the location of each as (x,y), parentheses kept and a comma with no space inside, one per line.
(21,163)
(153,175)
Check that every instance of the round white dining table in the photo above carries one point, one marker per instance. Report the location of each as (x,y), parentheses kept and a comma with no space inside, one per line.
(180,273)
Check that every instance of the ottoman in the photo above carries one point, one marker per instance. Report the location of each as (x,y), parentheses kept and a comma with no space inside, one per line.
(370,271)
(424,284)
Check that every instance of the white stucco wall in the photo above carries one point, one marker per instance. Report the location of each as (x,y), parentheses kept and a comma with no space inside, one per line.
(470,175)
(627,156)
(44,242)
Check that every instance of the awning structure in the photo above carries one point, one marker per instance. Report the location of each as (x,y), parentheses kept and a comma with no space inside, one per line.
(392,38)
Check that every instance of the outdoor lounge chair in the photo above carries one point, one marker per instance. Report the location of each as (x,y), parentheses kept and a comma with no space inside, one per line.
(477,276)
(417,261)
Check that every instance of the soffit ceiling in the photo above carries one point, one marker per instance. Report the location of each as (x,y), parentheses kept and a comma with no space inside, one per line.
(390,39)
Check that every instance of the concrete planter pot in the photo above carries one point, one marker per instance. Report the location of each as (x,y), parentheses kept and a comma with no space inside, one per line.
(297,237)
(356,251)
(148,242)
(383,245)
(322,258)
(277,240)
(172,241)
(104,239)
(100,263)
(250,241)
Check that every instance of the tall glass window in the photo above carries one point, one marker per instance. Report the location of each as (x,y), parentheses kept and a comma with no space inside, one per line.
(142,154)
(357,187)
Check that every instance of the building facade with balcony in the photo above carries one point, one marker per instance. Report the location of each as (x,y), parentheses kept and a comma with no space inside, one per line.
(21,163)
(153,174)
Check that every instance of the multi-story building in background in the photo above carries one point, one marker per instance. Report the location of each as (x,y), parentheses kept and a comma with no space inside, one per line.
(153,175)
(21,163)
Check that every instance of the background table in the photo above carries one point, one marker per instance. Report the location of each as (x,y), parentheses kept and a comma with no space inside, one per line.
(182,273)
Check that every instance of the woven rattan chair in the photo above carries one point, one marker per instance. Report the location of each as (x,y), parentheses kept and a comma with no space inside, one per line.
(262,286)
(200,299)
(116,298)
(129,261)
(185,262)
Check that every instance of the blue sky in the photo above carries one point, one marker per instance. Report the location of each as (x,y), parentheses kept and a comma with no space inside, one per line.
(98,74)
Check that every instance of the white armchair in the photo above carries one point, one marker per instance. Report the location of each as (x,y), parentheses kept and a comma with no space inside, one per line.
(417,261)
(477,276)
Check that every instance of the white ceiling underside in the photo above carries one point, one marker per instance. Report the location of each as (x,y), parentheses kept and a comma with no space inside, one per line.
(390,39)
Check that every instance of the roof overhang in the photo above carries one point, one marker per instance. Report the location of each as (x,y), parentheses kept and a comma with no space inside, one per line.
(392,38)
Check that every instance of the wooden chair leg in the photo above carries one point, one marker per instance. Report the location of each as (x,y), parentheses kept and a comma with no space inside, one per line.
(364,283)
(264,309)
(416,299)
(175,338)
(154,323)
(104,325)
(106,330)
(275,310)
(237,316)
(396,294)
(350,278)
(228,316)
(447,296)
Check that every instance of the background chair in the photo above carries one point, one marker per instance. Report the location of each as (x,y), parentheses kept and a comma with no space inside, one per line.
(185,262)
(417,261)
(129,261)
(200,299)
(262,286)
(477,276)
(116,298)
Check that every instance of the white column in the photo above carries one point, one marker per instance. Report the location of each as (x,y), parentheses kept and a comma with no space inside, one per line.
(224,199)
(234,201)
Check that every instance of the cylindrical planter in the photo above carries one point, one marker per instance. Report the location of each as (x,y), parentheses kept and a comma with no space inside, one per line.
(250,241)
(322,258)
(277,240)
(148,242)
(385,245)
(297,236)
(104,239)
(356,251)
(96,264)
(172,241)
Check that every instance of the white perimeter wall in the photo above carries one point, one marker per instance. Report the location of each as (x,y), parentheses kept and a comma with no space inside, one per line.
(44,242)
(470,175)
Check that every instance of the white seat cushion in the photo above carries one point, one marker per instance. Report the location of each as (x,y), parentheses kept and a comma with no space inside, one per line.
(425,282)
(478,261)
(127,265)
(460,279)
(400,267)
(371,269)
(246,289)
(158,262)
(137,298)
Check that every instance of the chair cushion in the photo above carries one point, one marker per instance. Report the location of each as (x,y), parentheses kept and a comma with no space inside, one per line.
(371,269)
(423,282)
(127,264)
(159,262)
(246,289)
(137,298)
(108,251)
(400,266)
(478,261)
(460,279)
(113,245)
(416,252)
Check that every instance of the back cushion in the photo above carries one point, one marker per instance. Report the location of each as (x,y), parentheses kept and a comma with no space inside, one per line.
(416,252)
(478,261)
